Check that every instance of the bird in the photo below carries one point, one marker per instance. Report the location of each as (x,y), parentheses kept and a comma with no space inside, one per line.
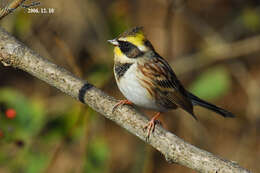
(148,81)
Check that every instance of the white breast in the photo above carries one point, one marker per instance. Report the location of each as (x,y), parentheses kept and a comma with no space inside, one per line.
(133,91)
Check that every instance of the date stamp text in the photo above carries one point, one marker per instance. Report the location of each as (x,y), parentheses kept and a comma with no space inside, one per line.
(41,10)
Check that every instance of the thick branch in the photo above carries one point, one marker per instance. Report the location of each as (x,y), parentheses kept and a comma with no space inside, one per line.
(174,149)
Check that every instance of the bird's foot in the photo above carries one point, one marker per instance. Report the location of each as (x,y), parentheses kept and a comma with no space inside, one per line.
(121,102)
(151,125)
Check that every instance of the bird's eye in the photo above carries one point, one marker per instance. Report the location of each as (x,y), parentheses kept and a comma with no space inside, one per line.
(126,47)
(129,49)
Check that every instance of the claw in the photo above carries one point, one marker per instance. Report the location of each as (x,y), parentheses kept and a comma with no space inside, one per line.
(150,126)
(121,102)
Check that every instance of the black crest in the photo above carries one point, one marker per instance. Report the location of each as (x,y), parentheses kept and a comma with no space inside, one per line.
(132,31)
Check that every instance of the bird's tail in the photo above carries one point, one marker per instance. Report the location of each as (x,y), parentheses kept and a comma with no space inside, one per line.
(197,101)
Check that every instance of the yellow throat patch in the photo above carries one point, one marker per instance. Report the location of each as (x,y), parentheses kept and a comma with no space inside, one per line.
(117,51)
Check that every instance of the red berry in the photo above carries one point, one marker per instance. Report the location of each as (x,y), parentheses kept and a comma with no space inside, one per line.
(1,134)
(10,113)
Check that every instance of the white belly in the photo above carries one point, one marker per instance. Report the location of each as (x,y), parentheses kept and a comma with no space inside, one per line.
(133,91)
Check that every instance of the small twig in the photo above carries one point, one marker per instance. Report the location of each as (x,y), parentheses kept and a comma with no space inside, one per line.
(218,52)
(71,60)
(13,5)
(10,8)
(33,4)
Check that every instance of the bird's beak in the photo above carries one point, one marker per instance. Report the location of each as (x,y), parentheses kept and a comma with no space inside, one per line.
(113,42)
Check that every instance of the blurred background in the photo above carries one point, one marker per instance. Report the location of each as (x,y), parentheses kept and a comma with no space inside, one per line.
(213,46)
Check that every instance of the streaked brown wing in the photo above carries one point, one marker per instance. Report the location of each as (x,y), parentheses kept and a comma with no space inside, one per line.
(164,82)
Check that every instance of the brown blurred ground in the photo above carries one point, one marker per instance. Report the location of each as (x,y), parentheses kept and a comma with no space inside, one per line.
(189,34)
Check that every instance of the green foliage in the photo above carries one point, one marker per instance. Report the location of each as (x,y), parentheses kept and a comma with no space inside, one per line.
(22,23)
(23,128)
(251,19)
(29,118)
(39,134)
(97,156)
(212,84)
(35,161)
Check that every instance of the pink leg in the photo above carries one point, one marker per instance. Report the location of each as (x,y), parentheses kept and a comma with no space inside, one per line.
(121,102)
(151,125)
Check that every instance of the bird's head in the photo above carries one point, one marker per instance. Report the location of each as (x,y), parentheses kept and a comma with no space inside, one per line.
(131,44)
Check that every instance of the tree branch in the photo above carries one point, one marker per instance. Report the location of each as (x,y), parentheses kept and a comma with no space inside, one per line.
(10,8)
(218,52)
(13,5)
(175,150)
